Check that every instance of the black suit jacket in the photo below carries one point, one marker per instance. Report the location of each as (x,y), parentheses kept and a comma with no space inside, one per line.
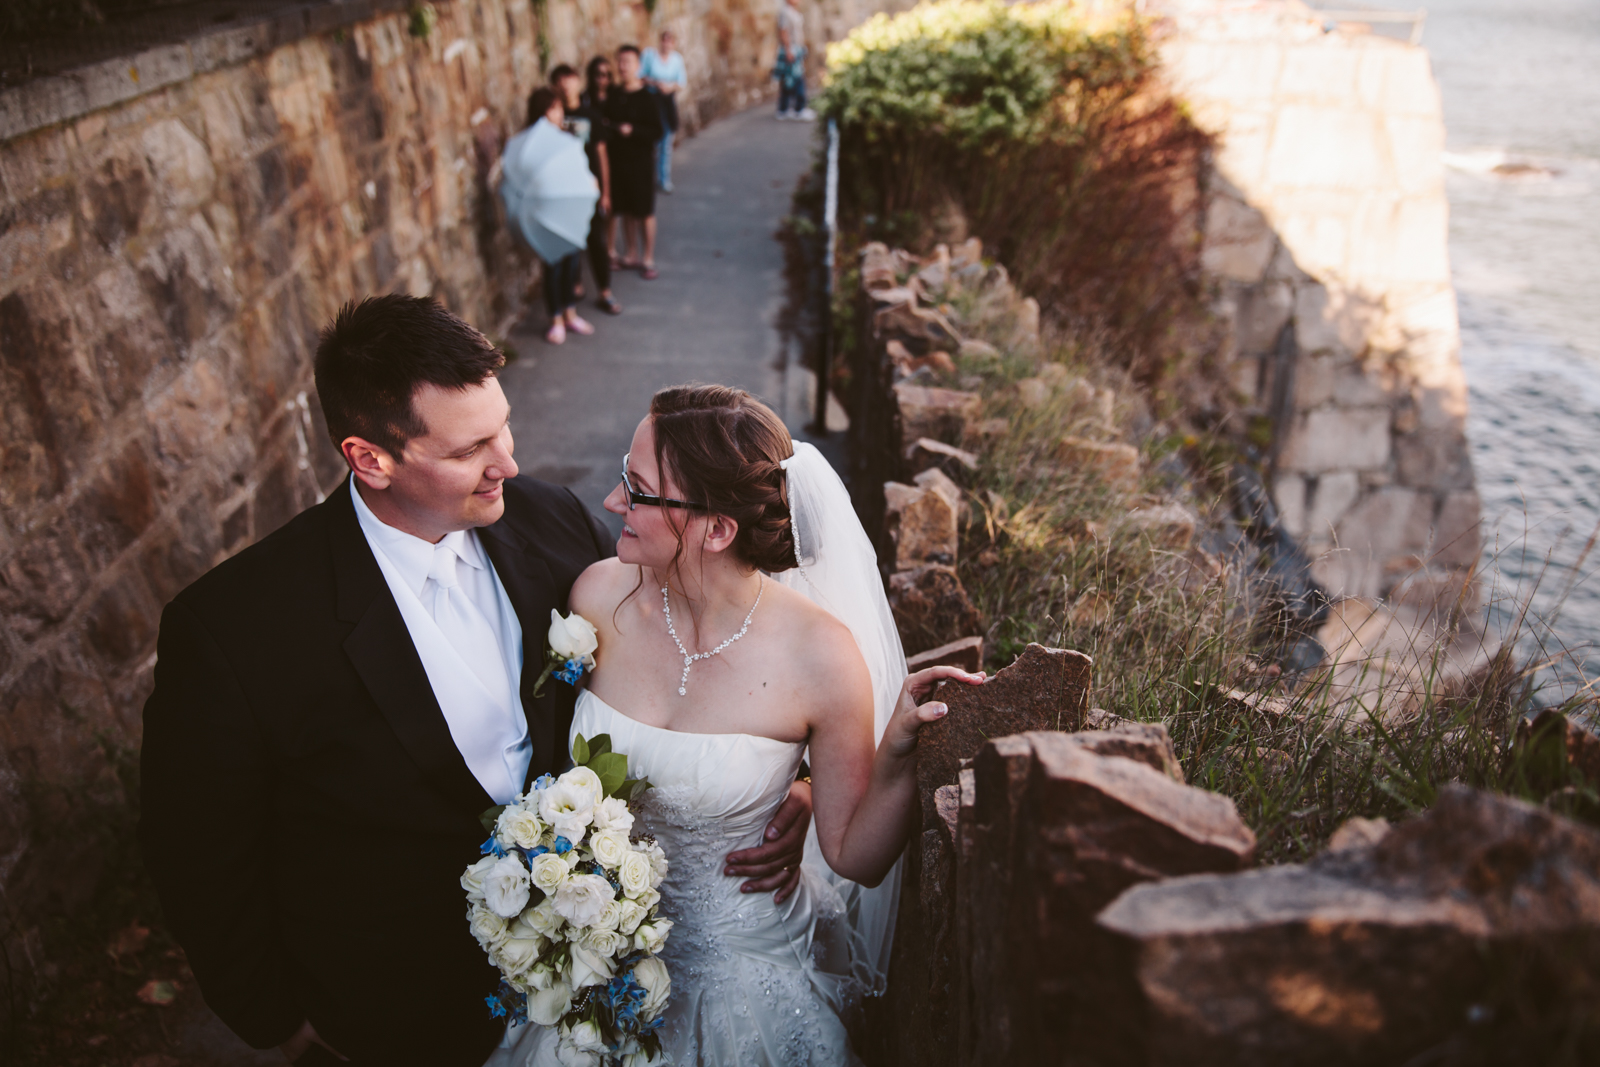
(305,814)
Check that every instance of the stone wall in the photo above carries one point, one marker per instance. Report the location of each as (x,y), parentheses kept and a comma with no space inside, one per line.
(1325,237)
(175,228)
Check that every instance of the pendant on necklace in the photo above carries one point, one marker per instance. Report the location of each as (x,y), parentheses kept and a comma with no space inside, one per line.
(688,659)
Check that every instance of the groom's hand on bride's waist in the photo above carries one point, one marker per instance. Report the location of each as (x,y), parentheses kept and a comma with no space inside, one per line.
(775,865)
(299,1048)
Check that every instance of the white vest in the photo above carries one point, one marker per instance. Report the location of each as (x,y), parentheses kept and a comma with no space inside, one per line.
(484,713)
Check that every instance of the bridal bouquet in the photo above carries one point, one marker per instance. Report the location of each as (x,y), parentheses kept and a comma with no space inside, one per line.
(565,903)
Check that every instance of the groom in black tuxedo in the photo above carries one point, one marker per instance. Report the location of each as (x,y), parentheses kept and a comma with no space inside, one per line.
(335,706)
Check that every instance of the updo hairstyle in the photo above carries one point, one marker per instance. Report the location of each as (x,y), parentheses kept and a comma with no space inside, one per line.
(723,448)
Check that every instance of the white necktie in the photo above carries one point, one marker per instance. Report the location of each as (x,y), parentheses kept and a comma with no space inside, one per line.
(468,632)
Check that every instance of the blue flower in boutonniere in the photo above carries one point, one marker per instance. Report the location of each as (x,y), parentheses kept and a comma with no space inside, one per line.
(571,644)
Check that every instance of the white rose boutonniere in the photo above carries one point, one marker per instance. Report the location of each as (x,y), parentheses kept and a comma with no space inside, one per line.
(572,643)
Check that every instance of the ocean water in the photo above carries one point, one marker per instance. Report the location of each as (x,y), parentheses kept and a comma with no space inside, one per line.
(1520,81)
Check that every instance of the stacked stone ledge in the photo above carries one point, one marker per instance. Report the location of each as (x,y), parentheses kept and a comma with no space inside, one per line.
(935,433)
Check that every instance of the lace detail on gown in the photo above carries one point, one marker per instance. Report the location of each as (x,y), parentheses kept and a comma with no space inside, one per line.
(753,982)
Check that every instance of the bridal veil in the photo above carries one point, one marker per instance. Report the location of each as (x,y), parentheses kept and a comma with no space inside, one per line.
(838,570)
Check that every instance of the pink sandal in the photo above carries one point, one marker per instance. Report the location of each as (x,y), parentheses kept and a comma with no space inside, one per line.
(648,273)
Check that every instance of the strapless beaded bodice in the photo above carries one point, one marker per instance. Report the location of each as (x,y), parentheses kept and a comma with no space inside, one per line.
(754,982)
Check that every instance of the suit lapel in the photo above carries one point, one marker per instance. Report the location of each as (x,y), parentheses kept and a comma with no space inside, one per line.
(532,591)
(381,650)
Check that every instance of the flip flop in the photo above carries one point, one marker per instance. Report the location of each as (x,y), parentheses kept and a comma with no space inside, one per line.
(648,273)
(609,305)
(629,264)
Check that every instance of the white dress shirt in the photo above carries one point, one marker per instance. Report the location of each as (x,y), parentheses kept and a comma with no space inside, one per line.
(469,639)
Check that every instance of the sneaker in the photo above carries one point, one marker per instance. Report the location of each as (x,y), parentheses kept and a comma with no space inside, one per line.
(579,326)
(556,334)
(666,188)
(783,116)
(806,115)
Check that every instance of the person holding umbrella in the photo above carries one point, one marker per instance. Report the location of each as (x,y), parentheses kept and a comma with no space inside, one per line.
(550,194)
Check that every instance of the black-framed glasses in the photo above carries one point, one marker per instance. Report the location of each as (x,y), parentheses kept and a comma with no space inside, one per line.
(635,498)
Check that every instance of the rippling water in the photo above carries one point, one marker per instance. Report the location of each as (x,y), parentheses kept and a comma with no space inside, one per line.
(1521,87)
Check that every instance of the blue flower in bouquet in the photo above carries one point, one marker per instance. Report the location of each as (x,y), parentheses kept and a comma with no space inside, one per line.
(544,781)
(508,1004)
(570,672)
(562,846)
(492,847)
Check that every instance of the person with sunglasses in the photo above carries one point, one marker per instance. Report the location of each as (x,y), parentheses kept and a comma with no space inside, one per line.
(743,626)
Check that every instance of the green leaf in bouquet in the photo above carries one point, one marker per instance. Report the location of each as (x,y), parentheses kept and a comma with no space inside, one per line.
(612,767)
(634,788)
(599,745)
(490,817)
(580,751)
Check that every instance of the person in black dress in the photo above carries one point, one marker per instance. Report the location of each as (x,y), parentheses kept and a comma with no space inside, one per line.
(586,122)
(635,119)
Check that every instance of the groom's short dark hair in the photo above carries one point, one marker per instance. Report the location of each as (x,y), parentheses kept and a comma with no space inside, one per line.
(378,351)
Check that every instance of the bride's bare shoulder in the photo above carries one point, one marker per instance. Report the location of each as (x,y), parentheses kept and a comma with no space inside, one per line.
(602,586)
(822,645)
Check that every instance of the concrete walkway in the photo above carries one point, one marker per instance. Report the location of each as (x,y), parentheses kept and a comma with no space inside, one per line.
(710,316)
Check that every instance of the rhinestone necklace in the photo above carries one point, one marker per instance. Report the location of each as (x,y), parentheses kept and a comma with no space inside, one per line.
(688,659)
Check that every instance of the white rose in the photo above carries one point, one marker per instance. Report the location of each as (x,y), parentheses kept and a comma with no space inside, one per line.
(582,898)
(486,926)
(586,1036)
(547,1006)
(652,974)
(658,863)
(518,826)
(649,898)
(610,916)
(541,977)
(651,936)
(515,955)
(638,1058)
(505,888)
(629,915)
(609,846)
(549,872)
(472,878)
(544,918)
(567,807)
(588,967)
(585,779)
(605,942)
(612,814)
(634,873)
(573,637)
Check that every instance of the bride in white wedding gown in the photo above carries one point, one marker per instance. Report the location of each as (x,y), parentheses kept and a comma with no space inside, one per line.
(722,664)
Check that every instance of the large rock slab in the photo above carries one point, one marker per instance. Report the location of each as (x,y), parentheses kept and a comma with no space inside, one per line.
(921,523)
(1470,933)
(1115,465)
(919,327)
(1062,824)
(1044,689)
(928,411)
(931,607)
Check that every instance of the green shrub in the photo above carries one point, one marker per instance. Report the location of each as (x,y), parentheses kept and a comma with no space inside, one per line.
(1050,131)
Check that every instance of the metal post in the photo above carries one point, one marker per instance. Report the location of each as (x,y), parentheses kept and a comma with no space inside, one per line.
(830,224)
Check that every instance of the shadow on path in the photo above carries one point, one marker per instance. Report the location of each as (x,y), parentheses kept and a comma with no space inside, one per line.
(711,316)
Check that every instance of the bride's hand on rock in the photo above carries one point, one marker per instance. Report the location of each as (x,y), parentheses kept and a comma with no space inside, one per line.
(911,714)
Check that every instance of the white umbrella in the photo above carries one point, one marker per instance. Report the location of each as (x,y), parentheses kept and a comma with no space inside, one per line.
(548,190)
